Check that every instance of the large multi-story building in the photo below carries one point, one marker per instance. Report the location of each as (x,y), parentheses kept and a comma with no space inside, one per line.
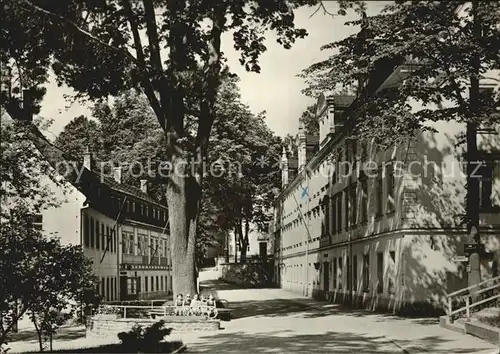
(381,226)
(121,228)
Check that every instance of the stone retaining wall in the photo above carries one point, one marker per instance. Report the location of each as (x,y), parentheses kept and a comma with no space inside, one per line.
(483,331)
(105,327)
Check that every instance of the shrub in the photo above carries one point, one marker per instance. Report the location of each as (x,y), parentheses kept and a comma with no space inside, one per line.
(109,310)
(420,309)
(145,340)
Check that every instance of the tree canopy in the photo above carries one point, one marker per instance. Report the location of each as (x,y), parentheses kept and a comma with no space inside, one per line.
(169,50)
(38,273)
(78,135)
(435,42)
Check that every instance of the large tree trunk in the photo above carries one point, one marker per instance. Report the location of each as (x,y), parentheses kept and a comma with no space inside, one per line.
(236,243)
(244,241)
(227,246)
(183,202)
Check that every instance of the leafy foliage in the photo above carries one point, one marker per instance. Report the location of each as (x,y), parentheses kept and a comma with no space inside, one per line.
(23,193)
(248,178)
(144,340)
(96,48)
(435,43)
(310,121)
(79,134)
(39,274)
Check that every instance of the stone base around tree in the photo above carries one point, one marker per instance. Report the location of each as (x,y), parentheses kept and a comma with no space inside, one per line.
(104,327)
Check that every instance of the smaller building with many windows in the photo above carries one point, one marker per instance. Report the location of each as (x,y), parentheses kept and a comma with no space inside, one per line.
(122,230)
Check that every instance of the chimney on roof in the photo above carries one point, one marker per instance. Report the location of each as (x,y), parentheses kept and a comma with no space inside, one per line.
(87,159)
(284,169)
(144,186)
(301,143)
(117,174)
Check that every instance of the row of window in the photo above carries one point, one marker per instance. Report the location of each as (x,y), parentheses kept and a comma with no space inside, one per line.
(98,235)
(144,246)
(156,283)
(143,209)
(340,211)
(108,288)
(352,156)
(335,274)
(357,195)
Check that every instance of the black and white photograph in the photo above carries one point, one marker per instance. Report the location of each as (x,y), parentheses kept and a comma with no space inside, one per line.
(250,176)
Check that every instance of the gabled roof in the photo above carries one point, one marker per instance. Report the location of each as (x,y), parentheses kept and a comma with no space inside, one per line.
(343,101)
(127,189)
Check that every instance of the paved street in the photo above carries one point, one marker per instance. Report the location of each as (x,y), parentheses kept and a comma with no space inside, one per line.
(277,321)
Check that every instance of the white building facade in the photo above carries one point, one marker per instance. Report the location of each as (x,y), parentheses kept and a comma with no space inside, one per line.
(121,229)
(388,234)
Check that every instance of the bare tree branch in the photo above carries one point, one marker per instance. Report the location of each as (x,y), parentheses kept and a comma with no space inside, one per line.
(211,71)
(321,6)
(146,83)
(151,30)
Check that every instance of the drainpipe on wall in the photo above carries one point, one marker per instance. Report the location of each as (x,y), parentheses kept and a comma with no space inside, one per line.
(350,269)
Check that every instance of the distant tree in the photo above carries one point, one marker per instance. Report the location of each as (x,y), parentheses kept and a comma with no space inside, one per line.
(127,125)
(37,273)
(131,138)
(243,184)
(310,121)
(41,276)
(78,135)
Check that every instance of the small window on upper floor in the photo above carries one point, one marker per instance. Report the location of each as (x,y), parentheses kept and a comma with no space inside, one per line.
(485,174)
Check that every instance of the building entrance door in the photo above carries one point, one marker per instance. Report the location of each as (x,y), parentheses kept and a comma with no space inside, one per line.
(326,276)
(123,287)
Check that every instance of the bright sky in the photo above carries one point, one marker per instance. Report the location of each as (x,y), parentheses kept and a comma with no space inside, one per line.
(277,89)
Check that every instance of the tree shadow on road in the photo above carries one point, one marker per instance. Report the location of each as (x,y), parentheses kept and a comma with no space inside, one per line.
(289,341)
(309,308)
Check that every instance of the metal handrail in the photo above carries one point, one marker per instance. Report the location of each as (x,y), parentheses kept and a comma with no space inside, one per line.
(468,306)
(144,307)
(455,293)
